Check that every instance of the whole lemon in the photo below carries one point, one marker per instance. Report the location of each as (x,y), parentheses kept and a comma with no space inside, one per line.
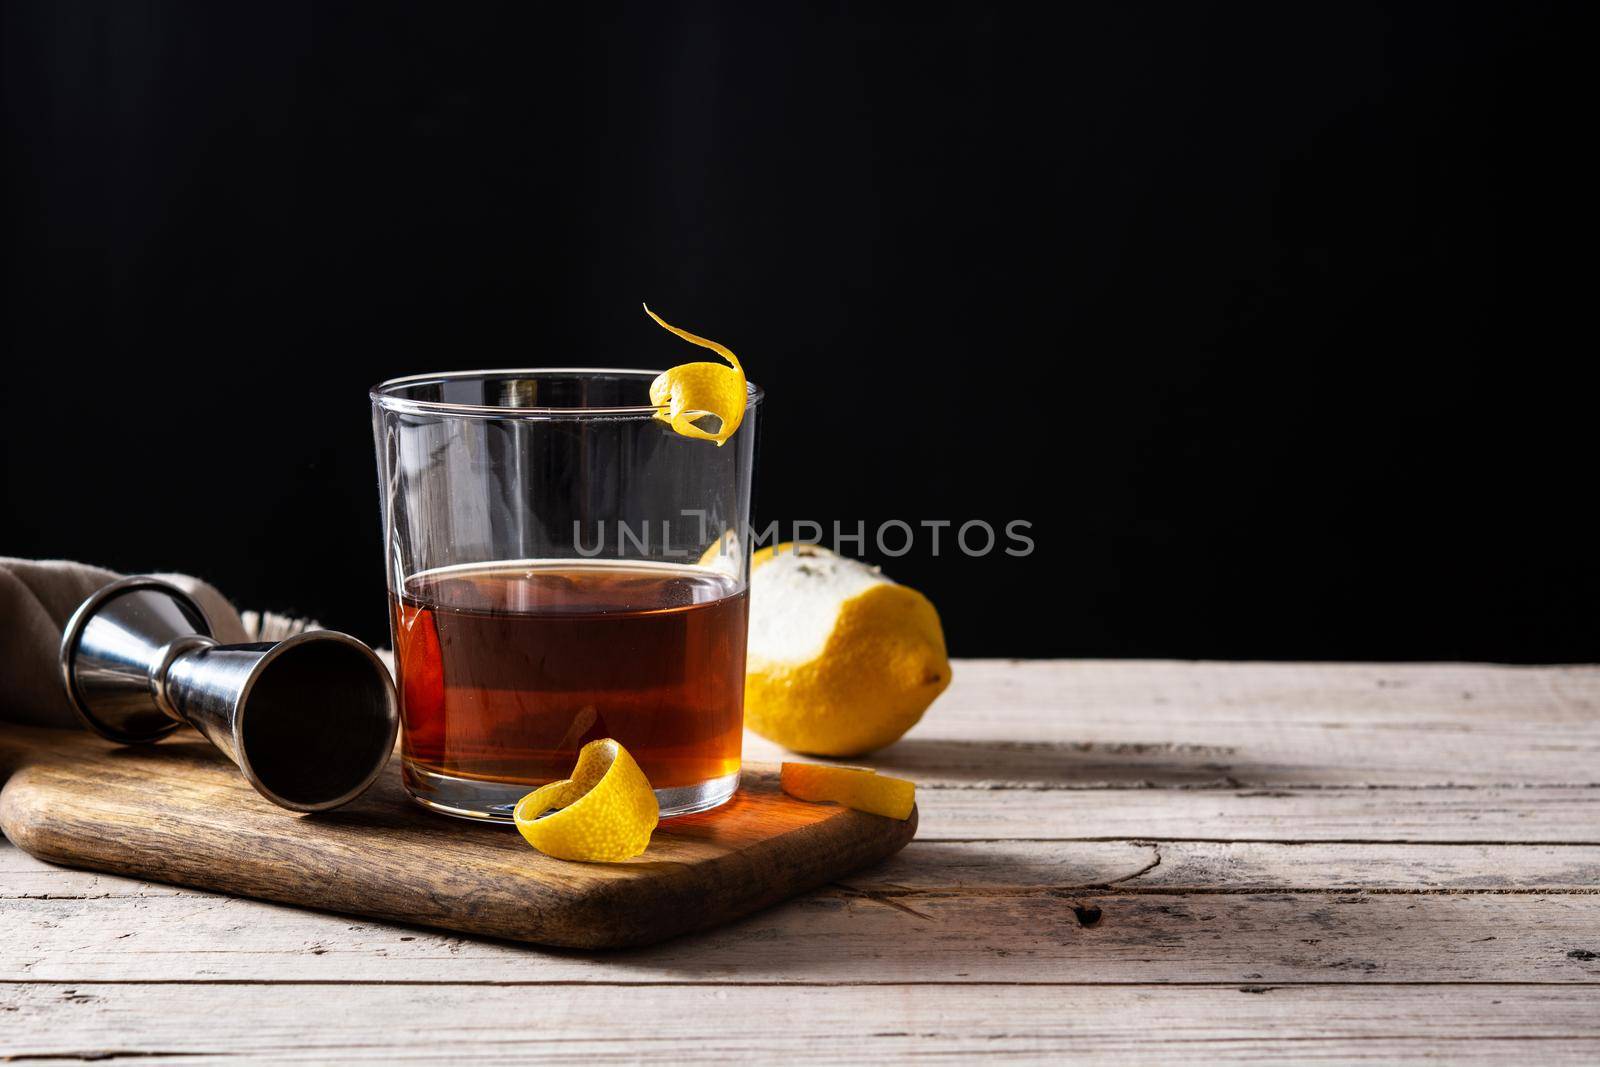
(841,659)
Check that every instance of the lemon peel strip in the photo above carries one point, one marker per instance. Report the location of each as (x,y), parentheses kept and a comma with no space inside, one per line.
(607,810)
(689,392)
(853,787)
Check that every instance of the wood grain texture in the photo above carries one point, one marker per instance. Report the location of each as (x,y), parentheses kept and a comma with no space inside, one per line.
(177,812)
(1130,866)
(1233,867)
(1128,862)
(1499,815)
(1094,724)
(838,935)
(478,1024)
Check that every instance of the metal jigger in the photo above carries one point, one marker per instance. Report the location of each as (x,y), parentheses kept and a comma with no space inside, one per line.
(310,720)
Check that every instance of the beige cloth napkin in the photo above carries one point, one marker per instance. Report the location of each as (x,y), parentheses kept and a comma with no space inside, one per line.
(37,597)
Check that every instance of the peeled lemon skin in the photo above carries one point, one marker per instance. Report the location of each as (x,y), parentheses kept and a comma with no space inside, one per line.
(883,664)
(853,787)
(607,810)
(691,391)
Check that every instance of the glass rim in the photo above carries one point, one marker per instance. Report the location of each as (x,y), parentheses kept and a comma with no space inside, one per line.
(386,395)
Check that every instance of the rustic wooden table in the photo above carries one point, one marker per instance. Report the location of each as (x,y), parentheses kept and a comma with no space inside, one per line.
(1117,861)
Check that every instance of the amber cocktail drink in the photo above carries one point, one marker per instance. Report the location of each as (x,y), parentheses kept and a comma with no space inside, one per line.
(508,670)
(563,567)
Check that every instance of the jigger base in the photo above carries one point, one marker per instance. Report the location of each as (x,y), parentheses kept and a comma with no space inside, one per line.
(310,720)
(485,801)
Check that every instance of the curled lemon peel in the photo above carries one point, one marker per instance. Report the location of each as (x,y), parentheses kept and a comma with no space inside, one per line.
(690,391)
(853,787)
(606,810)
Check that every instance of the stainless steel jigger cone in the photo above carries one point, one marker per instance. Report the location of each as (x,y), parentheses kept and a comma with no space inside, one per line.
(310,720)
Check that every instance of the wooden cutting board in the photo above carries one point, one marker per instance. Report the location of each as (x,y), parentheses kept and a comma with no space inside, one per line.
(178,812)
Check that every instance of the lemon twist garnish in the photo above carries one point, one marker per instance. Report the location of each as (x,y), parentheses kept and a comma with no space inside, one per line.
(690,391)
(854,787)
(607,808)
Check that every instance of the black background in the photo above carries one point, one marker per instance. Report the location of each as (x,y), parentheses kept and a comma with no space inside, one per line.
(1273,320)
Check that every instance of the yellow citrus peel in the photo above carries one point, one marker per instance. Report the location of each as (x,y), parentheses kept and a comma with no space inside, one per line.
(841,660)
(607,809)
(691,391)
(853,787)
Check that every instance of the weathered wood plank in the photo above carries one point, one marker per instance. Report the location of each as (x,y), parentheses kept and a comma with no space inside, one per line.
(1084,724)
(1142,866)
(1250,867)
(490,1025)
(840,936)
(23,876)
(177,812)
(998,888)
(1545,814)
